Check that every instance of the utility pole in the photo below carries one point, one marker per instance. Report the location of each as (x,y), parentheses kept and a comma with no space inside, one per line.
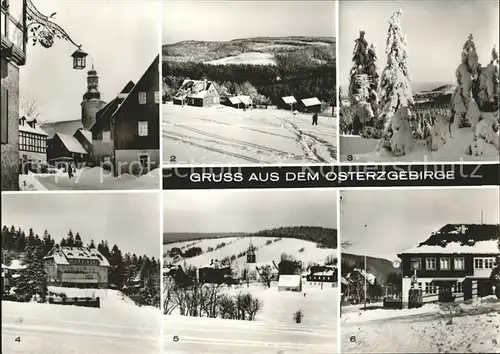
(365,280)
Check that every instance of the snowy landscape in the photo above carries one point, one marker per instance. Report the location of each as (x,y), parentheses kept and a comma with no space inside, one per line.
(87,178)
(246,94)
(384,120)
(442,294)
(74,293)
(225,135)
(268,291)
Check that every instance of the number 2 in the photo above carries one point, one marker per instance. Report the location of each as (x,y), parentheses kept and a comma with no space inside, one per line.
(173,158)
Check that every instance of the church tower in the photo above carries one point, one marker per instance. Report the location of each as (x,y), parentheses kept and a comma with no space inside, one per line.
(251,253)
(92,102)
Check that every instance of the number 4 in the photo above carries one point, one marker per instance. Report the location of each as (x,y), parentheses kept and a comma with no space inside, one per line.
(18,339)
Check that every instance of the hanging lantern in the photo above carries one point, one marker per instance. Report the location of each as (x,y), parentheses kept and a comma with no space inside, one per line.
(79,61)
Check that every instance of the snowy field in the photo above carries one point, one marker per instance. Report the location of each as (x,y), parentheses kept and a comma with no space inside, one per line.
(471,327)
(273,331)
(89,179)
(225,135)
(118,326)
(358,149)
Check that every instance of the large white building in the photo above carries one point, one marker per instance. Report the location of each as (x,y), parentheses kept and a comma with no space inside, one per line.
(82,267)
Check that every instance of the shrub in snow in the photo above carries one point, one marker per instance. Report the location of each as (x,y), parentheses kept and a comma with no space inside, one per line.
(439,133)
(396,92)
(298,316)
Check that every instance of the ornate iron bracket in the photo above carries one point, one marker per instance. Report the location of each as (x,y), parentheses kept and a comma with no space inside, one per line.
(42,30)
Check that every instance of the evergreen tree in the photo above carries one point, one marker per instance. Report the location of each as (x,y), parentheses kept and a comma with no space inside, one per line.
(64,242)
(78,240)
(92,244)
(47,242)
(117,275)
(31,238)
(395,91)
(20,241)
(7,239)
(32,280)
(70,241)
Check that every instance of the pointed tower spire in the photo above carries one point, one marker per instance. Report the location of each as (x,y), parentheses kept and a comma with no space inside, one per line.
(91,102)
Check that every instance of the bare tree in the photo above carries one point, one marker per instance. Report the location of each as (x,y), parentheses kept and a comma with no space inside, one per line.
(29,107)
(170,300)
(227,307)
(254,307)
(265,273)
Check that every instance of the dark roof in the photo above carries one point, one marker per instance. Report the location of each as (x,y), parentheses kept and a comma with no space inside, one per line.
(463,233)
(105,113)
(154,65)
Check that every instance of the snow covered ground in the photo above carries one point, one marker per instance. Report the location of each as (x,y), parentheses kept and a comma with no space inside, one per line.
(225,135)
(90,179)
(273,331)
(358,149)
(118,326)
(470,327)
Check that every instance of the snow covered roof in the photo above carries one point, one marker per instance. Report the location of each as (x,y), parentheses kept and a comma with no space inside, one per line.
(15,264)
(246,100)
(62,255)
(461,238)
(28,129)
(71,143)
(289,280)
(313,101)
(65,127)
(289,99)
(87,134)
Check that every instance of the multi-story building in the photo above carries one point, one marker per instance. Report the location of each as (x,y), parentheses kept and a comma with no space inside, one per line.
(456,262)
(81,267)
(32,142)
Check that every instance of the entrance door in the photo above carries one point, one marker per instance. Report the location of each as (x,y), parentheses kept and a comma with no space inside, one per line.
(445,294)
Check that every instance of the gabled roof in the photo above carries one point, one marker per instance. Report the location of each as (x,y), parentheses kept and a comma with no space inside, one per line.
(289,99)
(64,127)
(105,113)
(246,100)
(308,102)
(71,143)
(461,238)
(370,278)
(62,255)
(153,65)
(28,129)
(289,280)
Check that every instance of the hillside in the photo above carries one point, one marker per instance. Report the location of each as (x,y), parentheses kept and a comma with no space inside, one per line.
(379,267)
(267,47)
(173,237)
(233,250)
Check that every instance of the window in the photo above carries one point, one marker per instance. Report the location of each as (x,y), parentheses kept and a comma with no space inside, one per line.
(458,288)
(444,264)
(143,128)
(13,22)
(459,263)
(4,115)
(489,263)
(431,288)
(478,263)
(430,263)
(142,97)
(106,137)
(416,263)
(157,97)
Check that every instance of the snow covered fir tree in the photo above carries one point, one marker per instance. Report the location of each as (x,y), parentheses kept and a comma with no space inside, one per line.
(400,124)
(363,84)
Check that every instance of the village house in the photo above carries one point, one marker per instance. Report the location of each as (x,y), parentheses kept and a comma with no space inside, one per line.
(322,276)
(32,143)
(214,273)
(455,262)
(81,267)
(198,93)
(290,282)
(287,102)
(135,126)
(13,57)
(309,105)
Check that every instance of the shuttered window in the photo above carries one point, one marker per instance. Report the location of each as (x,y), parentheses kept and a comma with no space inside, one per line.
(4,115)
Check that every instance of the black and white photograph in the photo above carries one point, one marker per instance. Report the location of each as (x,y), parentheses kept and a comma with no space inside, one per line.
(250,271)
(248,82)
(81,273)
(419,81)
(80,95)
(423,274)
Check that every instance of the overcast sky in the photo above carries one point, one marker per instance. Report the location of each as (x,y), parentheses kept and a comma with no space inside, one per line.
(129,220)
(121,36)
(247,210)
(226,20)
(436,31)
(385,222)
